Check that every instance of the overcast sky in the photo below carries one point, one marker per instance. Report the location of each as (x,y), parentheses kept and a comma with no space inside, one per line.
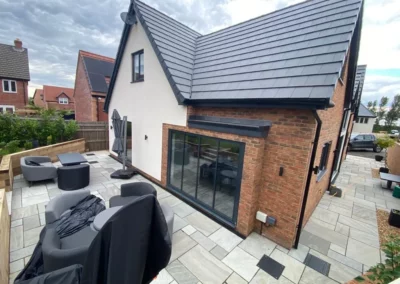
(54,31)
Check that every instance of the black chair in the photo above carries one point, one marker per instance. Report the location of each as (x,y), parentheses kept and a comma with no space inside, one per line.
(132,191)
(73,177)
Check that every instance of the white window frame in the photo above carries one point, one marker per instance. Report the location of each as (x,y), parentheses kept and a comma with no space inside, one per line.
(5,107)
(9,84)
(63,101)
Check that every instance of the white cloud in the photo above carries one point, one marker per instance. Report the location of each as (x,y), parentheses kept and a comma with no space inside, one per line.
(376,87)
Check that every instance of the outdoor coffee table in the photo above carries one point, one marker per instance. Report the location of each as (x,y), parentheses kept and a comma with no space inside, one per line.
(389,178)
(231,175)
(71,159)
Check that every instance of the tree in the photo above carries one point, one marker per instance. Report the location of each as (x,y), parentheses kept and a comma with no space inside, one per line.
(382,109)
(394,113)
(372,106)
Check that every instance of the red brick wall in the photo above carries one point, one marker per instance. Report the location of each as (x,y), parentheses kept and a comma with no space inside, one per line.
(288,144)
(331,123)
(97,107)
(19,99)
(82,94)
(37,99)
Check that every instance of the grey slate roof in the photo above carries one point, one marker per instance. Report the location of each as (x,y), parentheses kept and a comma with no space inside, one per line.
(97,70)
(14,64)
(363,111)
(295,53)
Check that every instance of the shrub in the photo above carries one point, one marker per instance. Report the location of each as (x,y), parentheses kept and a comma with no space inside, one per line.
(71,128)
(385,142)
(28,145)
(389,271)
(10,147)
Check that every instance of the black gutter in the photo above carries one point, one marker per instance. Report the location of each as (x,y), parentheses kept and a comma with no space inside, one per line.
(309,177)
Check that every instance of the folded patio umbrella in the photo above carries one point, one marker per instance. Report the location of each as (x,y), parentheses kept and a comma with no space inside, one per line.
(118,145)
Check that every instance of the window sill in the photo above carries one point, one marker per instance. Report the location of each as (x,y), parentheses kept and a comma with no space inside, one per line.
(8,92)
(320,175)
(137,81)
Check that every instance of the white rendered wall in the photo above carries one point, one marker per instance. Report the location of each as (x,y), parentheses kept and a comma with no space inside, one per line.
(364,127)
(147,104)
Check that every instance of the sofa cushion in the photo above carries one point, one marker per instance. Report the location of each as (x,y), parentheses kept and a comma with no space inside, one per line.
(47,164)
(82,238)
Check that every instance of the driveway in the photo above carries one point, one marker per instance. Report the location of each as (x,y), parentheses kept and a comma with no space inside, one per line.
(364,153)
(341,231)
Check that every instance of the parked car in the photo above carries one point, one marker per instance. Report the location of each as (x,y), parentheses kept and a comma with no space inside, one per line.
(394,134)
(363,141)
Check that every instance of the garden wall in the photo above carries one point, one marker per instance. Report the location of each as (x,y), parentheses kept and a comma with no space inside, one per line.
(4,238)
(10,164)
(393,158)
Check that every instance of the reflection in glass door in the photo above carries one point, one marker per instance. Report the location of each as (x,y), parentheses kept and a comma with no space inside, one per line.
(207,171)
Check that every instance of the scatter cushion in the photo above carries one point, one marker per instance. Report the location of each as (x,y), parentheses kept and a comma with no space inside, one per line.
(33,163)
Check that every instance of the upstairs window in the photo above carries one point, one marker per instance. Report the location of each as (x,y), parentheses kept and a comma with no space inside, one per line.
(138,66)
(63,101)
(9,86)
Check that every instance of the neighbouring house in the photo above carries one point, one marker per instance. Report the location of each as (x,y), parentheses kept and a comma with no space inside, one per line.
(53,97)
(364,123)
(14,76)
(93,73)
(253,117)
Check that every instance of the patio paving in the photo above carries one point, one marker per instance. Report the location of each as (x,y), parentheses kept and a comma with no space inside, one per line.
(341,231)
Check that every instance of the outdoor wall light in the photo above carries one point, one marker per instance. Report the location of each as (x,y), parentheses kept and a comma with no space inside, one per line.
(145,137)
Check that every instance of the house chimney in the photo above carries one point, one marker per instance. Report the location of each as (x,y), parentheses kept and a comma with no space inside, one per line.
(18,43)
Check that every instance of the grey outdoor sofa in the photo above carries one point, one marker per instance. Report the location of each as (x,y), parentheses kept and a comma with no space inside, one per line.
(37,168)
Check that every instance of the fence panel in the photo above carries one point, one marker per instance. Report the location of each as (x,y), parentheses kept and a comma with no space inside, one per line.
(95,134)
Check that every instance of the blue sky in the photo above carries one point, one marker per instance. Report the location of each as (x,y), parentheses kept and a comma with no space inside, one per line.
(55,30)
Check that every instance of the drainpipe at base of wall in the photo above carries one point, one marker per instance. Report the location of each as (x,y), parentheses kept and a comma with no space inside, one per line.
(309,177)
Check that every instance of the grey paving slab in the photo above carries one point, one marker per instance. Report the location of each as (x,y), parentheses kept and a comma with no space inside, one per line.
(332,236)
(235,279)
(202,223)
(300,253)
(16,238)
(358,225)
(338,271)
(313,220)
(345,260)
(163,278)
(293,268)
(16,223)
(338,249)
(31,222)
(219,252)
(366,238)
(314,242)
(21,253)
(179,223)
(264,278)
(35,199)
(33,191)
(225,239)
(257,245)
(342,229)
(340,210)
(181,243)
(20,213)
(181,274)
(206,267)
(310,276)
(31,237)
(189,229)
(325,215)
(202,240)
(183,210)
(17,265)
(242,263)
(362,253)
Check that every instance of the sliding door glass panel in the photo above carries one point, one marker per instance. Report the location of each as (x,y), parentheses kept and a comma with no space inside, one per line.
(190,169)
(207,173)
(178,158)
(227,177)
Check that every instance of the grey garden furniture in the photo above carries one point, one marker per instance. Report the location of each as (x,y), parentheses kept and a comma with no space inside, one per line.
(37,168)
(73,177)
(59,253)
(134,190)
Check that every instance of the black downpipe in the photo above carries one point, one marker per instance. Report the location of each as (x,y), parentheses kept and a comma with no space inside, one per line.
(309,176)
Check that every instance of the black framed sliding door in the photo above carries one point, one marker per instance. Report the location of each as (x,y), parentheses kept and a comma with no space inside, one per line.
(207,171)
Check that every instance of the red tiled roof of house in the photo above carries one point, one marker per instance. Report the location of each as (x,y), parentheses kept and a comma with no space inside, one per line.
(51,93)
(38,91)
(96,56)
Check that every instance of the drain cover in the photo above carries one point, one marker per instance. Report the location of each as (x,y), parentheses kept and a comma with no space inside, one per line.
(271,266)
